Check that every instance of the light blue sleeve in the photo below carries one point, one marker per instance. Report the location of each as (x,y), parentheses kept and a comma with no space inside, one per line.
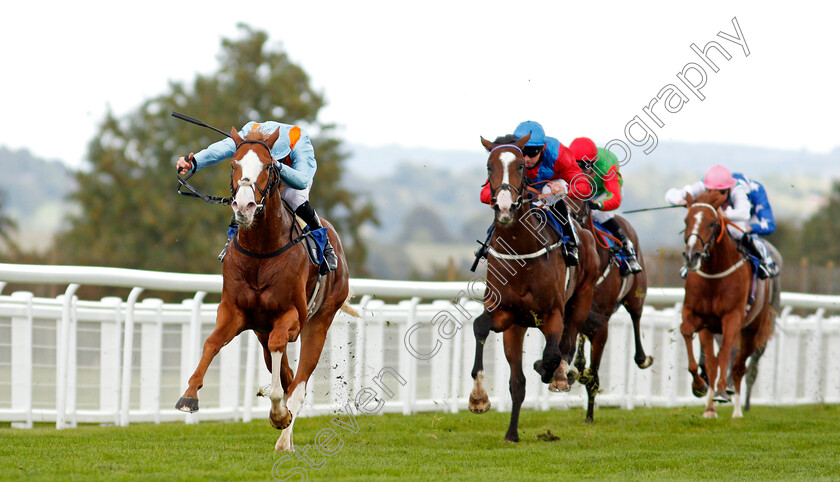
(219,151)
(302,171)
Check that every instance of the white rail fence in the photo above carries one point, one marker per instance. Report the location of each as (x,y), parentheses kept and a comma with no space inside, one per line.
(116,361)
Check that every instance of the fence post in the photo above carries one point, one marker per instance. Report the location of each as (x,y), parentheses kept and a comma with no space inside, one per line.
(21,346)
(195,340)
(63,347)
(128,351)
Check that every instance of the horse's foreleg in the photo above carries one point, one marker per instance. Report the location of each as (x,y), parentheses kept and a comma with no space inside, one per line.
(312,339)
(513,339)
(707,344)
(229,323)
(479,401)
(284,327)
(687,329)
(731,323)
(553,367)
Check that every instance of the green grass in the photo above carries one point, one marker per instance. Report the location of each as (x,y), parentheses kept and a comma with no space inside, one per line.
(770,443)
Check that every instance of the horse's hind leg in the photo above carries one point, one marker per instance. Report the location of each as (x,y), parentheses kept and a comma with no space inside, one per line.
(230,323)
(752,374)
(634,305)
(589,377)
(580,359)
(312,338)
(479,401)
(513,339)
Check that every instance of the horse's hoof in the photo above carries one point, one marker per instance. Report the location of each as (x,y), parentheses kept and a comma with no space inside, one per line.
(730,389)
(710,413)
(700,392)
(281,422)
(590,419)
(538,366)
(646,362)
(572,376)
(512,438)
(479,405)
(187,404)
(559,386)
(721,397)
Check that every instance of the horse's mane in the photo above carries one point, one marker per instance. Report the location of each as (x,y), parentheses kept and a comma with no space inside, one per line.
(506,139)
(711,196)
(257,135)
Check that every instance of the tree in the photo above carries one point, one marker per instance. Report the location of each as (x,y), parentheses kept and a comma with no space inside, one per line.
(131,215)
(821,232)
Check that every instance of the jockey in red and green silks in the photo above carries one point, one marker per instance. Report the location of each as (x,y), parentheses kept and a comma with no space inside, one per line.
(294,144)
(602,167)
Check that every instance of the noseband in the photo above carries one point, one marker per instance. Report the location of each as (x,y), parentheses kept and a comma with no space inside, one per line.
(519,191)
(273,178)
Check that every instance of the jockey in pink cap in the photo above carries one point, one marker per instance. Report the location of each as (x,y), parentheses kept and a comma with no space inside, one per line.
(736,210)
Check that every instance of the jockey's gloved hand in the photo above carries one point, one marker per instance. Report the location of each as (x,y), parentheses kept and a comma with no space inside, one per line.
(596,205)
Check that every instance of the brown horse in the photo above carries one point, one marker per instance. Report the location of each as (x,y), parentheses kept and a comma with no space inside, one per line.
(268,281)
(717,291)
(528,285)
(612,290)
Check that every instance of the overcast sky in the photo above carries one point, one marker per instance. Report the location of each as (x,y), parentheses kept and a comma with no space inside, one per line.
(439,74)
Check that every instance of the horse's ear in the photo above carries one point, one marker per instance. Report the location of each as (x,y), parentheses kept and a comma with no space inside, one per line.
(234,134)
(273,138)
(487,144)
(522,141)
(689,199)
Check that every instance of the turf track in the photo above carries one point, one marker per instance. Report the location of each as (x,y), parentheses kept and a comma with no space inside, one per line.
(771,443)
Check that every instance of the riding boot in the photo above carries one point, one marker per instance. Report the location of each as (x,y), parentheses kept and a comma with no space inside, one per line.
(232,227)
(766,266)
(632,265)
(308,214)
(570,246)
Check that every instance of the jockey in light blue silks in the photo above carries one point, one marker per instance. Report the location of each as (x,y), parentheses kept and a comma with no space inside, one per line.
(293,143)
(739,209)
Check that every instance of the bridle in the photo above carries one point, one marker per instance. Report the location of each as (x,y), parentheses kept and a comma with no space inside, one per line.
(519,191)
(707,245)
(272,185)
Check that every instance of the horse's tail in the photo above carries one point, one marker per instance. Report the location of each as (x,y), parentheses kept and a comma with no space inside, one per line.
(345,307)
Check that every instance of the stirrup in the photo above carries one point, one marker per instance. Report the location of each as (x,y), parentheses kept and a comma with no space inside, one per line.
(683,271)
(222,254)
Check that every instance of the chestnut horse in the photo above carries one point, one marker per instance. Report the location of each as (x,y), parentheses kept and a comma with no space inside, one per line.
(612,290)
(267,283)
(717,291)
(528,285)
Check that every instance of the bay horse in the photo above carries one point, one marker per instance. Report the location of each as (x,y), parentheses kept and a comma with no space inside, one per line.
(717,292)
(528,285)
(612,290)
(267,282)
